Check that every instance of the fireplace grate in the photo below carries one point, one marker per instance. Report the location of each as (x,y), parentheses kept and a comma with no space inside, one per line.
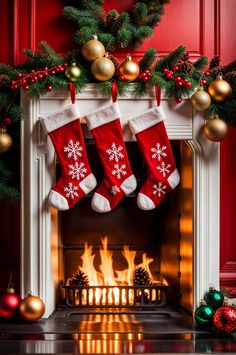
(151,296)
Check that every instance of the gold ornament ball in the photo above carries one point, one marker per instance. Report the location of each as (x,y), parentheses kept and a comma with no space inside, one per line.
(5,141)
(219,90)
(103,69)
(93,49)
(200,100)
(129,69)
(215,129)
(32,308)
(73,72)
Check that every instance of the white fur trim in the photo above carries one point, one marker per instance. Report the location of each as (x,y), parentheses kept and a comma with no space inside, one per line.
(147,119)
(58,201)
(144,202)
(100,203)
(59,118)
(103,115)
(129,185)
(88,184)
(174,179)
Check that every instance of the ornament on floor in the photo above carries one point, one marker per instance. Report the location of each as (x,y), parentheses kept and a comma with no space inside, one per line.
(204,315)
(129,69)
(5,140)
(215,129)
(79,278)
(32,308)
(224,319)
(219,89)
(200,100)
(73,72)
(141,277)
(103,68)
(214,298)
(93,49)
(9,302)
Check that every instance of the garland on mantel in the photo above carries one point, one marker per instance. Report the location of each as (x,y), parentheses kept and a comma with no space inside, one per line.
(43,71)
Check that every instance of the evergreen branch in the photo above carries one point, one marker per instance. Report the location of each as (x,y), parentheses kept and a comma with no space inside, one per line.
(170,60)
(148,59)
(201,63)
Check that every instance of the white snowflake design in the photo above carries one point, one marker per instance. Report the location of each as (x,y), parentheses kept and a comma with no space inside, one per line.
(71,190)
(158,151)
(119,171)
(164,169)
(114,152)
(159,189)
(77,171)
(114,190)
(73,150)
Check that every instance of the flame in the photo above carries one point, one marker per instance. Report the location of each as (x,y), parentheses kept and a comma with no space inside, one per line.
(108,276)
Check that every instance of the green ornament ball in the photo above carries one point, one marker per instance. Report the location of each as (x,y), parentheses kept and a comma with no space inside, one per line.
(214,298)
(204,316)
(73,72)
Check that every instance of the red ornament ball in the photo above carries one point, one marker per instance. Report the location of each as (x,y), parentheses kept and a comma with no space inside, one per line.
(178,100)
(9,304)
(121,78)
(49,88)
(225,319)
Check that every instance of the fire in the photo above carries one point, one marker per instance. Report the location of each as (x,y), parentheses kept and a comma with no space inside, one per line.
(107,275)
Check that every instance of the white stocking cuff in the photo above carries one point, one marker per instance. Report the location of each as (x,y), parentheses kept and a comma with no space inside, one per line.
(147,119)
(59,118)
(103,115)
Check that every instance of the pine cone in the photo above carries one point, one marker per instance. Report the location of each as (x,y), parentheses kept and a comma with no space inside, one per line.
(231,77)
(111,17)
(229,68)
(141,277)
(215,62)
(185,66)
(79,278)
(216,71)
(115,61)
(5,81)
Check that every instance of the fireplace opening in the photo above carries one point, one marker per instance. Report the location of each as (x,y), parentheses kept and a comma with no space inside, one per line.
(160,241)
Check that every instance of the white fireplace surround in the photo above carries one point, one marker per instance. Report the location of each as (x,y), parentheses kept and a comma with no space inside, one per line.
(38,272)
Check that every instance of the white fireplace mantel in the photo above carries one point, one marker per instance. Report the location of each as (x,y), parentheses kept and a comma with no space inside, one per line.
(38,265)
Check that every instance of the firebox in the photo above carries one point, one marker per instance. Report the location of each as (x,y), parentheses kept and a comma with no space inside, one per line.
(177,243)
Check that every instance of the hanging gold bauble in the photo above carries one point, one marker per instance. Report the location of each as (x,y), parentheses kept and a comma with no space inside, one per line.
(129,69)
(32,308)
(103,68)
(215,129)
(5,141)
(219,89)
(73,72)
(93,49)
(200,100)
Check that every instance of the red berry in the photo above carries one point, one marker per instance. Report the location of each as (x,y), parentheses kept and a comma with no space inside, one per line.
(178,100)
(178,78)
(45,73)
(57,70)
(19,75)
(26,88)
(13,82)
(35,78)
(188,85)
(65,65)
(144,75)
(49,88)
(7,120)
(52,72)
(40,76)
(149,75)
(204,82)
(121,78)
(207,73)
(45,68)
(140,76)
(32,80)
(145,79)
(176,68)
(147,71)
(171,71)
(62,69)
(165,70)
(23,82)
(168,76)
(32,71)
(179,84)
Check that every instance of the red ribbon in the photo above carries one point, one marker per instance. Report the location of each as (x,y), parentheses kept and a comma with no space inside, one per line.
(114,91)
(158,95)
(72,92)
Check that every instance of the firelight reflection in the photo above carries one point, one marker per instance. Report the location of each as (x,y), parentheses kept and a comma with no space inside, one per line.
(113,328)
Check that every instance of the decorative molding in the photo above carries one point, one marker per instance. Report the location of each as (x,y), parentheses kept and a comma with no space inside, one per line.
(32,25)
(16,33)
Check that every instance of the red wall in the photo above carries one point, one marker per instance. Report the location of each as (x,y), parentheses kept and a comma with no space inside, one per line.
(204,27)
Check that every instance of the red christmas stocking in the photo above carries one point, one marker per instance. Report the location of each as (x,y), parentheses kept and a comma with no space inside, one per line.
(118,181)
(76,179)
(163,176)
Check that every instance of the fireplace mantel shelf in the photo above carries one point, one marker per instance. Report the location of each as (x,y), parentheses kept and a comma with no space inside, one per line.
(38,246)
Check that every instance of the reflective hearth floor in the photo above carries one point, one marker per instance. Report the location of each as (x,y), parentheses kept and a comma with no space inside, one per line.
(166,332)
